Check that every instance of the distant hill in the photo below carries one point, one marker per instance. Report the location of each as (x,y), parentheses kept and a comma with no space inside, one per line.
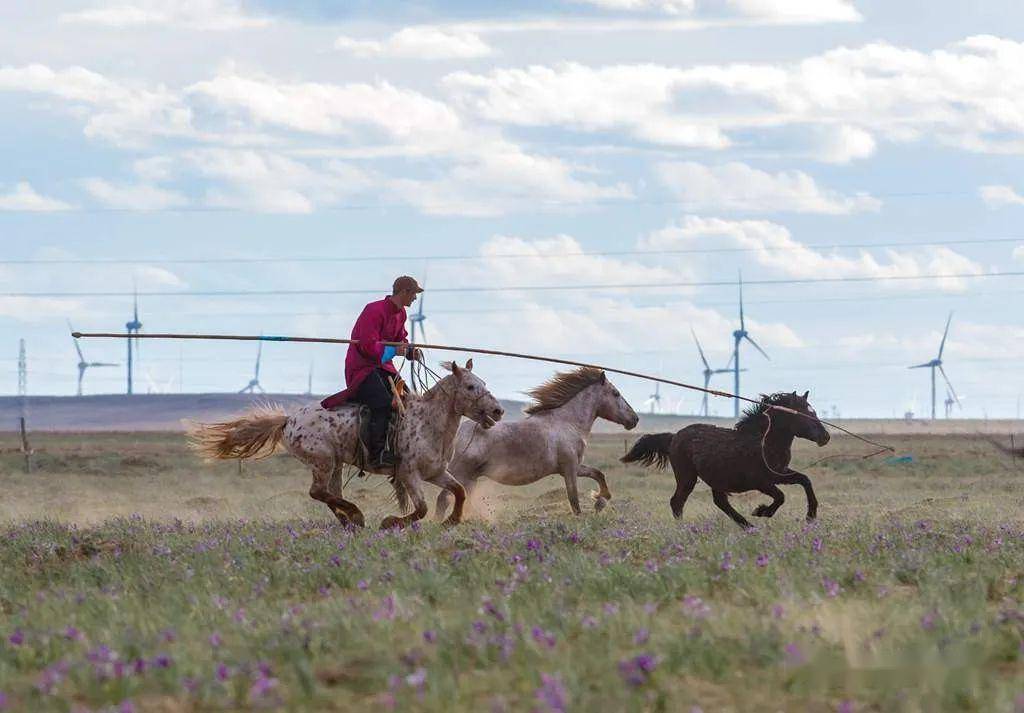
(165,412)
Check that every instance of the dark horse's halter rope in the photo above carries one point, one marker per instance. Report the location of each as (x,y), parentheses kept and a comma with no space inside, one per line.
(491,352)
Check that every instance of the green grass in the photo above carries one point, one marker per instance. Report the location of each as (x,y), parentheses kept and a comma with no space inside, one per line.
(231,590)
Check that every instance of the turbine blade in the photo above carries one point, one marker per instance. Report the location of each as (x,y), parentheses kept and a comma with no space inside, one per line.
(919,366)
(742,323)
(701,351)
(951,389)
(78,348)
(757,347)
(942,344)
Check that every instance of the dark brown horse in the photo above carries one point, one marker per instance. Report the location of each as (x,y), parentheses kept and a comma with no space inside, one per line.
(754,455)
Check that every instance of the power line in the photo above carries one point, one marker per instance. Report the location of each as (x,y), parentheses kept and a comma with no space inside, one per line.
(534,288)
(501,256)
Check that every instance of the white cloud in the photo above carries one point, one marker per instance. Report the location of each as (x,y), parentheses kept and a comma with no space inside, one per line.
(331,109)
(25,198)
(495,177)
(133,196)
(968,95)
(773,246)
(1000,196)
(193,14)
(739,187)
(268,182)
(148,276)
(1018,253)
(39,309)
(799,10)
(115,112)
(669,7)
(842,144)
(807,10)
(420,42)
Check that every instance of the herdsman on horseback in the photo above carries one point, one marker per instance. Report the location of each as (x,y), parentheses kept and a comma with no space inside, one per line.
(370,375)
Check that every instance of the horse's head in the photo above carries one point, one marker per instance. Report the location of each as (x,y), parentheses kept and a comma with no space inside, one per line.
(471,397)
(611,405)
(803,426)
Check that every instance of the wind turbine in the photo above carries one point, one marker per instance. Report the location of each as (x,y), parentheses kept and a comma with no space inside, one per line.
(654,399)
(417,333)
(309,382)
(936,363)
(82,363)
(708,373)
(738,336)
(254,382)
(133,327)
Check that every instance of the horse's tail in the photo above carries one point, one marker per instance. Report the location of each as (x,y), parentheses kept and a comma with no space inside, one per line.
(257,434)
(649,450)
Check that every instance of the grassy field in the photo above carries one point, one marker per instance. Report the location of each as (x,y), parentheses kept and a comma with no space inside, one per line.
(135,577)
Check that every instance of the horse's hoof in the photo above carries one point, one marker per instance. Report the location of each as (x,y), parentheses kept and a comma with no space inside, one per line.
(761,511)
(599,504)
(358,520)
(390,522)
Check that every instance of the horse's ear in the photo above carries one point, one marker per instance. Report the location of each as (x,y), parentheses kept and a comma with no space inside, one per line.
(456,369)
(806,394)
(469,365)
(447,365)
(604,378)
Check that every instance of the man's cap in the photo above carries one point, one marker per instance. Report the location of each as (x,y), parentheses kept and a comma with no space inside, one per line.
(405,284)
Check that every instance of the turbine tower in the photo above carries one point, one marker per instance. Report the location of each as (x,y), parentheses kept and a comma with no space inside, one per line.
(22,369)
(936,363)
(655,399)
(254,382)
(82,363)
(738,336)
(309,381)
(132,327)
(708,373)
(417,333)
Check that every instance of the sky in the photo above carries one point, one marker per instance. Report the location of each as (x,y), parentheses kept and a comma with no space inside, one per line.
(582,179)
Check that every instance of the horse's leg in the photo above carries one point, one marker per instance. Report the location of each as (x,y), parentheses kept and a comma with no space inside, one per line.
(414,488)
(768,509)
(721,499)
(348,513)
(447,481)
(571,487)
(586,471)
(686,479)
(444,497)
(798,478)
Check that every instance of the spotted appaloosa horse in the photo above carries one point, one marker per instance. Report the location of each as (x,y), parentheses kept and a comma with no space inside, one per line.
(754,455)
(551,439)
(328,440)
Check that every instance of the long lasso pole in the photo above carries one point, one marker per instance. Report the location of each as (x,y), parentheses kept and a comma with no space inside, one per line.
(471,350)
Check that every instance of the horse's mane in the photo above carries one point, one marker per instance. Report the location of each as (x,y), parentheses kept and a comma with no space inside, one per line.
(561,388)
(751,421)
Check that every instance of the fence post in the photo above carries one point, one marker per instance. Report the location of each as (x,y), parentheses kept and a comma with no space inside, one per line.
(25,447)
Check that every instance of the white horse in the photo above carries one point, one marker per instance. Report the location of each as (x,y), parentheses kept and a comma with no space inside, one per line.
(551,439)
(327,440)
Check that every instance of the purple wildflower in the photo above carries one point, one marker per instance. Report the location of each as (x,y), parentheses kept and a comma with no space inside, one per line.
(794,656)
(611,608)
(386,609)
(637,670)
(417,679)
(846,706)
(588,622)
(262,687)
(162,661)
(543,638)
(695,607)
(488,607)
(3,701)
(215,640)
(72,633)
(430,636)
(335,561)
(552,694)
(17,638)
(831,587)
(126,707)
(929,619)
(641,636)
(762,560)
(817,545)
(727,561)
(222,672)
(778,611)
(362,585)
